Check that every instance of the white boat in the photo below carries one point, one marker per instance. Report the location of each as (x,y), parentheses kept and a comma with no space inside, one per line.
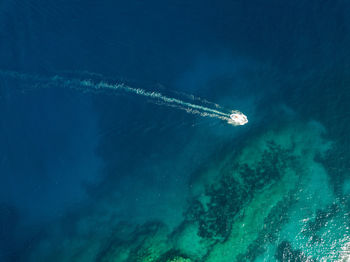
(238,118)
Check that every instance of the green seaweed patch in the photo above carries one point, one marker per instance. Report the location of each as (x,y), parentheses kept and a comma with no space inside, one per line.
(336,161)
(271,166)
(249,225)
(216,209)
(215,218)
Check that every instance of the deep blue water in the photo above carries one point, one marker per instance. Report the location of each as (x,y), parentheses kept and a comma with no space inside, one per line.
(76,165)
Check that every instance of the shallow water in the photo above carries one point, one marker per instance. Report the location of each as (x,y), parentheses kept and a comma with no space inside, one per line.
(103,174)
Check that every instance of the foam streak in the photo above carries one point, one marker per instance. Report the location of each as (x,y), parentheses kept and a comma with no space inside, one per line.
(90,86)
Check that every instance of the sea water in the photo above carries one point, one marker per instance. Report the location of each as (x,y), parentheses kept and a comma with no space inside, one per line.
(94,171)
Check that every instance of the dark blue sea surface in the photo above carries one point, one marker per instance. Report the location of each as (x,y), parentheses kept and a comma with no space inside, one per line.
(115,143)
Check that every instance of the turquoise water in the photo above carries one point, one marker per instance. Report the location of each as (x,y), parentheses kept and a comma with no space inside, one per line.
(96,166)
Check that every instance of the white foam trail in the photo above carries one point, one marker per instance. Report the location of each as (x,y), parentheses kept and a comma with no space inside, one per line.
(201,100)
(90,86)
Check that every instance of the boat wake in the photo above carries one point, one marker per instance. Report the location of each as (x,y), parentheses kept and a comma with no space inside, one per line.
(234,117)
